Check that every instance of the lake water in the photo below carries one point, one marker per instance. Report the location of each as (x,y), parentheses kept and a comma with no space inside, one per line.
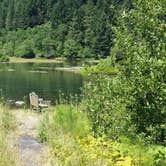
(18,80)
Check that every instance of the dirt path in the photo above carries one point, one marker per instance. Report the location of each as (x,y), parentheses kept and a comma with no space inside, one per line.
(29,150)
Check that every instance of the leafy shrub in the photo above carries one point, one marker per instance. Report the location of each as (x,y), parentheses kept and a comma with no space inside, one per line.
(143,66)
(105,103)
(87,53)
(103,67)
(28,54)
(71,48)
(4,58)
(25,50)
(136,95)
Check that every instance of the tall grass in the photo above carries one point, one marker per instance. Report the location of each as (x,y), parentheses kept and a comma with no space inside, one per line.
(64,120)
(6,125)
(61,128)
(67,131)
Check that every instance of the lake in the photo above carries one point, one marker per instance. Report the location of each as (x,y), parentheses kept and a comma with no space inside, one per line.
(18,80)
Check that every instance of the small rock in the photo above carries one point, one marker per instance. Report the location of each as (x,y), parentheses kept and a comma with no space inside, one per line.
(10,102)
(19,103)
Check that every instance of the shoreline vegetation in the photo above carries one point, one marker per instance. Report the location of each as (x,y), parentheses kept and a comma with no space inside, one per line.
(76,69)
(60,129)
(36,60)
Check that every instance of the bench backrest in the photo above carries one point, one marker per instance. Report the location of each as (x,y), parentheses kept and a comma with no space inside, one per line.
(34,99)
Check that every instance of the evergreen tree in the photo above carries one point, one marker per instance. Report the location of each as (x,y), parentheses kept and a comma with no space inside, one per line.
(10,14)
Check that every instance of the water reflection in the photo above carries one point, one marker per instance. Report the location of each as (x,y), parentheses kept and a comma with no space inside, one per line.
(18,80)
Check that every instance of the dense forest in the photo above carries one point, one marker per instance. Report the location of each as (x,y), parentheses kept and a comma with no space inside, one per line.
(55,28)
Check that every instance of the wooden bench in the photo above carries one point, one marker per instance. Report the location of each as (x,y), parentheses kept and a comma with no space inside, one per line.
(38,103)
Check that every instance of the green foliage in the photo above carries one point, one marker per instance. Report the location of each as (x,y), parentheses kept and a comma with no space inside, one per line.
(64,120)
(141,153)
(105,66)
(6,157)
(4,58)
(142,49)
(43,128)
(71,48)
(58,28)
(7,124)
(105,103)
(136,95)
(67,132)
(25,51)
(87,53)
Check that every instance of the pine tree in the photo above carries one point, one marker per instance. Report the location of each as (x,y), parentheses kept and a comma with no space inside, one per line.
(10,14)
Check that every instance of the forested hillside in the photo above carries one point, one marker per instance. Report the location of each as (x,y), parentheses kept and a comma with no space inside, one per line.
(53,28)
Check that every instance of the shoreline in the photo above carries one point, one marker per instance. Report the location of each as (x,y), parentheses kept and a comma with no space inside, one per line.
(35,60)
(60,60)
(76,69)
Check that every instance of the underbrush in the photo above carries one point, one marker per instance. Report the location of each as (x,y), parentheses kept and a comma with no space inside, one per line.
(6,125)
(68,133)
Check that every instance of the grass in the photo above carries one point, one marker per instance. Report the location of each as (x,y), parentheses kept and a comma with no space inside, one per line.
(64,120)
(7,124)
(67,131)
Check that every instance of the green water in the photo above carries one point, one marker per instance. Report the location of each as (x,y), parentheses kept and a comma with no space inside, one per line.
(18,80)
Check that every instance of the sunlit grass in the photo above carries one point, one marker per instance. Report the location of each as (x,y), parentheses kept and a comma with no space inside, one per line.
(7,124)
(68,133)
(34,60)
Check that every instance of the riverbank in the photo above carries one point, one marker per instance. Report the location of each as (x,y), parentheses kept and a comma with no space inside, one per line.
(54,60)
(75,69)
(36,60)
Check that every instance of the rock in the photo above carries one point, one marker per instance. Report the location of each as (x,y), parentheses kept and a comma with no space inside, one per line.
(10,102)
(11,70)
(19,103)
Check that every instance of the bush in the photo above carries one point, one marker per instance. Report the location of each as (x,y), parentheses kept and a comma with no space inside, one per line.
(28,54)
(134,99)
(71,48)
(87,53)
(105,104)
(143,66)
(25,50)
(4,58)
